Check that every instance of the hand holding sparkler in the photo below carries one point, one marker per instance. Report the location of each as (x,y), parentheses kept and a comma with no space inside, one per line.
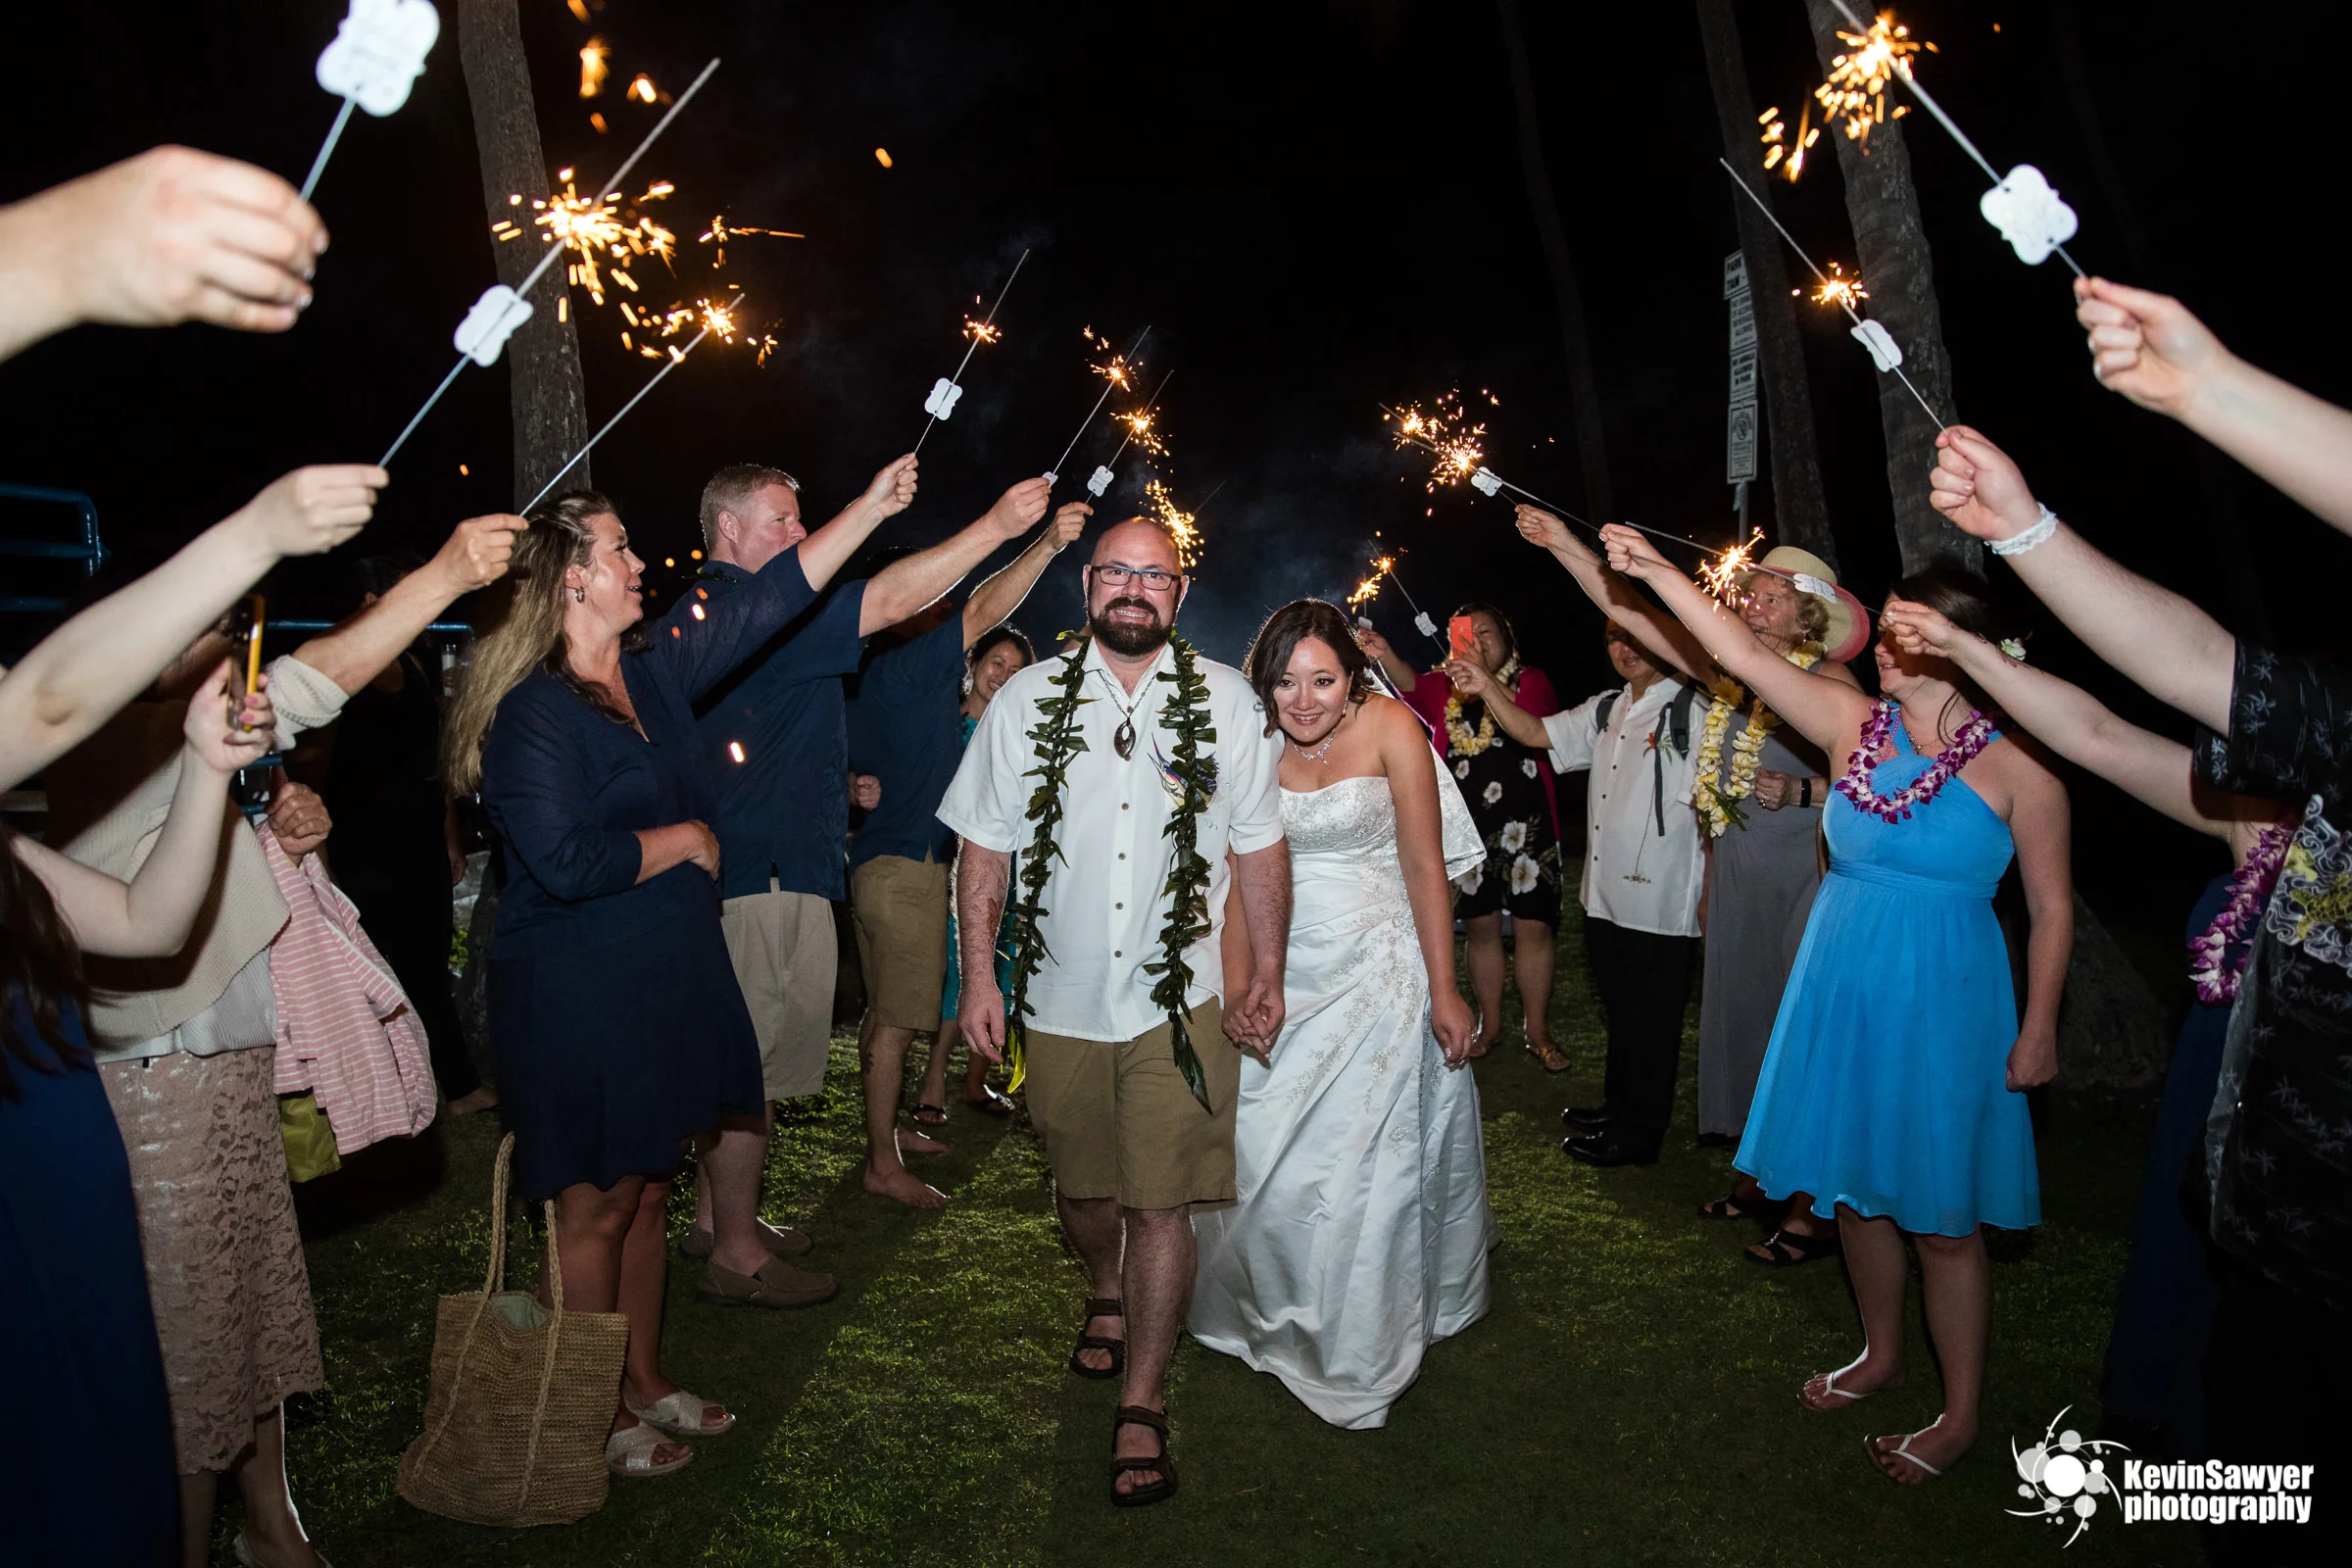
(1018,509)
(1921,632)
(2147,346)
(478,553)
(1546,531)
(1979,488)
(228,728)
(890,491)
(1069,522)
(313,509)
(172,235)
(1630,555)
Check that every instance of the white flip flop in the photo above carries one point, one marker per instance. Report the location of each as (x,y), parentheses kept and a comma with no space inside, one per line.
(1902,1450)
(680,1414)
(630,1454)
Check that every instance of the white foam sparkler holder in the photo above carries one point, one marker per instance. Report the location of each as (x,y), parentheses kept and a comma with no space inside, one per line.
(484,334)
(1883,352)
(940,404)
(1485,483)
(1423,624)
(1099,481)
(378,52)
(2029,214)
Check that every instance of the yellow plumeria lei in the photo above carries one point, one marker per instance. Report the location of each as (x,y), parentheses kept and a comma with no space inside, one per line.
(1459,739)
(1718,809)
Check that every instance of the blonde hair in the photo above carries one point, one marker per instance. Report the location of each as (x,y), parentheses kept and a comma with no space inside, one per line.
(528,636)
(731,489)
(1812,612)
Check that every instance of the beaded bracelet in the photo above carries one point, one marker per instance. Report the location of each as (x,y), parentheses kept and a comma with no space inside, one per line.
(2018,544)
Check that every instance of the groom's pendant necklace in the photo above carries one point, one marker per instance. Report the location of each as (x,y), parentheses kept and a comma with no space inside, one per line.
(1123,741)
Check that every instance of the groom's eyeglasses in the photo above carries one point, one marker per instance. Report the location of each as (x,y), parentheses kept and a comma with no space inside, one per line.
(1113,576)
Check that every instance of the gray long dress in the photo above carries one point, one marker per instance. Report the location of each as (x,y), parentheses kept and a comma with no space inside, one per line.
(1759,892)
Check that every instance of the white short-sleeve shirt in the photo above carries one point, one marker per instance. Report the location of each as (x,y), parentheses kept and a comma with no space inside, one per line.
(1105,900)
(1642,859)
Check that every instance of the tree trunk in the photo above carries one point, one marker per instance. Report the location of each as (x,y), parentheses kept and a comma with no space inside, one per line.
(1891,249)
(548,393)
(1584,393)
(1800,510)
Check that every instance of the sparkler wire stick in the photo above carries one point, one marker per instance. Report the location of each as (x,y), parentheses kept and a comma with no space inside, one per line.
(1902,71)
(973,347)
(676,360)
(1108,385)
(1842,303)
(555,249)
(327,149)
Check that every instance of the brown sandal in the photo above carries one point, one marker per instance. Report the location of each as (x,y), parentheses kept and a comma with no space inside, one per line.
(1159,1464)
(1100,1306)
(1548,1056)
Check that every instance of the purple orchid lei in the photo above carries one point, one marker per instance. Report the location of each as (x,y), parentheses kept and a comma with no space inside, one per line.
(2249,891)
(1974,737)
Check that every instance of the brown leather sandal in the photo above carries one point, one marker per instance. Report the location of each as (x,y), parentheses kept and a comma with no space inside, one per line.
(1159,1464)
(1100,1306)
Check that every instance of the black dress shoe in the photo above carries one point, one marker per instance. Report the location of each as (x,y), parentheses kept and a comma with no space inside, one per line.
(1610,1149)
(1586,1118)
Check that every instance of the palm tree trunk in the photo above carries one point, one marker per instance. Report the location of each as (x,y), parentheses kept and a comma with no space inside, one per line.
(1800,510)
(1891,247)
(1584,392)
(548,393)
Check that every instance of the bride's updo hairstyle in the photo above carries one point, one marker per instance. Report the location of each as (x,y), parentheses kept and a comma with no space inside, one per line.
(1966,600)
(1279,638)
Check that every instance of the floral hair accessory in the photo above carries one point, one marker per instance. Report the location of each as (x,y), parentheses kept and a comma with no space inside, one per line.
(2013,648)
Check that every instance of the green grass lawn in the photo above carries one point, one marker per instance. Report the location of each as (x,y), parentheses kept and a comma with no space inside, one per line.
(1631,1398)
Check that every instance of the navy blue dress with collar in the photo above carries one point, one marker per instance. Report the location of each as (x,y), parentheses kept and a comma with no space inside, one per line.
(616,1020)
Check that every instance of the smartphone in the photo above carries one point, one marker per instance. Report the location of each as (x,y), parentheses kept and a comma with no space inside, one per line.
(253,648)
(1461,638)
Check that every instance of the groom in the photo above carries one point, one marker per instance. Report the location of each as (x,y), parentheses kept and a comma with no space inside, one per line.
(1136,1121)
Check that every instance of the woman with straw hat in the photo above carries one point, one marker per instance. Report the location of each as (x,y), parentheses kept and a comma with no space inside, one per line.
(1759,794)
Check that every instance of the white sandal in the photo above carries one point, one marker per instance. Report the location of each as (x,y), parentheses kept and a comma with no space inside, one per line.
(630,1454)
(1828,1386)
(1902,1450)
(680,1414)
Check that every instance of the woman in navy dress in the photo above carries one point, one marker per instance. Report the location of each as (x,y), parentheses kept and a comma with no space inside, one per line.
(2164,1313)
(616,1024)
(1892,1087)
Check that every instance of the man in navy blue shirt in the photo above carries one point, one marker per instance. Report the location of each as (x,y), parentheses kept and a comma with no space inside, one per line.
(905,730)
(776,738)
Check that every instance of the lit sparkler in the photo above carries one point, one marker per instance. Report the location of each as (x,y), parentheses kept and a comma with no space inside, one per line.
(1114,371)
(1839,290)
(1369,589)
(940,404)
(1454,445)
(1721,576)
(720,231)
(1857,89)
(598,230)
(1182,525)
(522,292)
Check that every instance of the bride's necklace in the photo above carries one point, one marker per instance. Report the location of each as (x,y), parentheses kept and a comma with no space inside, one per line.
(1322,753)
(1123,741)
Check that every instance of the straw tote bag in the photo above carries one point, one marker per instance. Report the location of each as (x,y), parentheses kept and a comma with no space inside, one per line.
(521,1396)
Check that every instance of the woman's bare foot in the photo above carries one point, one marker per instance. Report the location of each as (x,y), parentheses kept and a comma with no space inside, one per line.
(1856,1379)
(912,1142)
(1939,1444)
(905,1186)
(484,1098)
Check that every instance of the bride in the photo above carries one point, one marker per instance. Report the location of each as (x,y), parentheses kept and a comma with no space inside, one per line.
(1361,1230)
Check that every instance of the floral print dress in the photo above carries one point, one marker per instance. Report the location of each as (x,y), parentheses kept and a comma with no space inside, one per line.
(1509,789)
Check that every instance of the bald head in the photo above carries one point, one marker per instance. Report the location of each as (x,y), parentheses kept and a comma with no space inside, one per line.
(1139,542)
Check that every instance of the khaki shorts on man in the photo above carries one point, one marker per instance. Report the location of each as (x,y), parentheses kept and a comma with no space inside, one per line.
(785,955)
(1118,1120)
(898,909)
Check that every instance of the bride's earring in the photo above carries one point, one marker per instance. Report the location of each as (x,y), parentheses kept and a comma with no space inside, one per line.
(579,596)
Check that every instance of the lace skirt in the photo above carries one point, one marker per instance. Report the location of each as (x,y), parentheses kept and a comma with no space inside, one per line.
(224,1266)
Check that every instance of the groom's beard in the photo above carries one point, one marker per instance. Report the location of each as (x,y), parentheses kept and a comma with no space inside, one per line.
(1128,639)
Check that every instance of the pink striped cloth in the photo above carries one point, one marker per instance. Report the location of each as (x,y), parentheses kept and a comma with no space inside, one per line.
(345,1029)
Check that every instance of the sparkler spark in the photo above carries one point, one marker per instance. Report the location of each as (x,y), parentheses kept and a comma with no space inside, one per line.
(1114,369)
(593,68)
(720,231)
(1721,576)
(1454,445)
(1181,524)
(1839,290)
(1140,434)
(982,331)
(644,90)
(1369,589)
(1857,89)
(599,230)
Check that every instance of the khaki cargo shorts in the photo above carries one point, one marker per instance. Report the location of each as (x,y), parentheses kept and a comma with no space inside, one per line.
(785,955)
(1118,1122)
(898,909)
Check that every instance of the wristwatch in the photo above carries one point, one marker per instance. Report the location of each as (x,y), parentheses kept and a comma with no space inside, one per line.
(1804,790)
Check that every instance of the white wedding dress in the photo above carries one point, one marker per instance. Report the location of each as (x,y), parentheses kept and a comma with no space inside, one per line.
(1361,1229)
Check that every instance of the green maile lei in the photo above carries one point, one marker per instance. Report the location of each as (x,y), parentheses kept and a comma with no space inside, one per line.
(1185,715)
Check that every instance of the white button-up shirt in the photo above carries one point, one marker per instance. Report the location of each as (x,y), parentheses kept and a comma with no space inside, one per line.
(1106,900)
(1637,875)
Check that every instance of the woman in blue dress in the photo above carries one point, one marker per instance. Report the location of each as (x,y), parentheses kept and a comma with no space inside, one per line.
(1892,1087)
(616,1019)
(2164,1313)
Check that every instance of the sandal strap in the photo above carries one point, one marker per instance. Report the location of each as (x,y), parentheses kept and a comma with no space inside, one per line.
(1136,1415)
(1104,1306)
(1096,1341)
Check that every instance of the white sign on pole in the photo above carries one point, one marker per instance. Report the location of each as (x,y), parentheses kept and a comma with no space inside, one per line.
(1739,428)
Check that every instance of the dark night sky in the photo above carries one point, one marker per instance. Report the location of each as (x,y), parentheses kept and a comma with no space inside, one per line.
(1319,206)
